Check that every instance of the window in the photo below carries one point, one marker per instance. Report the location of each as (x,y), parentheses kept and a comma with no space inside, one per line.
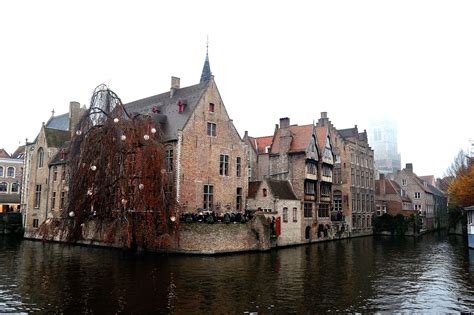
(169,160)
(1,171)
(61,202)
(404,182)
(63,173)
(308,210)
(224,165)
(417,207)
(323,211)
(309,188)
(53,200)
(3,187)
(55,173)
(239,199)
(337,201)
(211,107)
(327,171)
(208,196)
(285,214)
(417,195)
(15,187)
(311,168)
(352,177)
(238,166)
(35,223)
(354,209)
(211,129)
(337,176)
(37,196)
(264,192)
(295,215)
(325,190)
(40,160)
(11,172)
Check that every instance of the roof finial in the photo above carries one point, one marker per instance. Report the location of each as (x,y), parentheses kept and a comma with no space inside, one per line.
(52,112)
(206,70)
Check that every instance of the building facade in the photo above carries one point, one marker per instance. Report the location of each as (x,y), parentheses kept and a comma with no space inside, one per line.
(391,198)
(11,171)
(354,175)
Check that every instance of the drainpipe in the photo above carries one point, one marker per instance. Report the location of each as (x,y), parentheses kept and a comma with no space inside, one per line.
(47,193)
(178,164)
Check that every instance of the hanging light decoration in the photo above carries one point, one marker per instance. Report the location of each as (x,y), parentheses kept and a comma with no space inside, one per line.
(173,218)
(116,120)
(89,192)
(71,214)
(146,137)
(123,137)
(124,201)
(78,132)
(93,168)
(141,186)
(153,130)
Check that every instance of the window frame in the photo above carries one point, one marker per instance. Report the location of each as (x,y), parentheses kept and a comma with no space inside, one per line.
(211,129)
(37,199)
(208,190)
(285,214)
(8,171)
(224,165)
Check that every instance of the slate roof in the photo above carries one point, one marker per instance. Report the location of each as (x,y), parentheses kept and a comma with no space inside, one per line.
(56,160)
(55,138)
(206,70)
(281,189)
(301,138)
(436,191)
(348,133)
(9,198)
(169,119)
(19,152)
(60,122)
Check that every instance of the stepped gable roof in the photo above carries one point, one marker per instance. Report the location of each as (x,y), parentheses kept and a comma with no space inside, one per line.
(19,152)
(60,122)
(253,189)
(168,117)
(281,189)
(4,154)
(321,135)
(301,138)
(55,138)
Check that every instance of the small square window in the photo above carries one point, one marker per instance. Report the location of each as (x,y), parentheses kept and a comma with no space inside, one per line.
(211,107)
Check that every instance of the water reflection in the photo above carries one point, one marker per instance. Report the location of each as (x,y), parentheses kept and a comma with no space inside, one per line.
(434,273)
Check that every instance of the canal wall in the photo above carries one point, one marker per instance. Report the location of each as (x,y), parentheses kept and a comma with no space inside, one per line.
(11,223)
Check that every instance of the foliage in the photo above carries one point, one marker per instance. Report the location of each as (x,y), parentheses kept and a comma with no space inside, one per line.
(117,176)
(461,189)
(394,224)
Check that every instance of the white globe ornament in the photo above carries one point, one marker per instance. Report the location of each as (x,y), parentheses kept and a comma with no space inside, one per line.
(71,214)
(141,186)
(124,201)
(146,137)
(78,132)
(153,130)
(116,120)
(173,218)
(123,137)
(93,168)
(89,192)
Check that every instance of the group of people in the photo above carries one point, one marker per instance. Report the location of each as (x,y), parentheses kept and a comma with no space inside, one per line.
(210,217)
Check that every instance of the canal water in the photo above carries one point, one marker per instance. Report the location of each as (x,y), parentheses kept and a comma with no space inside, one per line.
(432,274)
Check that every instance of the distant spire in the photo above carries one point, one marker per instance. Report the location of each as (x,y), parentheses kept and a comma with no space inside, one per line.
(206,70)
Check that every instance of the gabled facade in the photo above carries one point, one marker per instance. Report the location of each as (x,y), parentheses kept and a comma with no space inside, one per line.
(391,198)
(258,152)
(205,155)
(354,175)
(277,201)
(11,170)
(419,192)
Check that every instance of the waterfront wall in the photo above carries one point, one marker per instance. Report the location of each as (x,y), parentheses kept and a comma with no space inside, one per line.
(11,223)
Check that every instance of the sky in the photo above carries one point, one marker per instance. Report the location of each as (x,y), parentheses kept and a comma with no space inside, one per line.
(412,61)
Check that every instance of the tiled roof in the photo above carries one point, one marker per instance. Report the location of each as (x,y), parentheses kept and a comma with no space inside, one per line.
(4,154)
(321,135)
(301,137)
(263,142)
(19,152)
(281,189)
(60,122)
(55,138)
(169,118)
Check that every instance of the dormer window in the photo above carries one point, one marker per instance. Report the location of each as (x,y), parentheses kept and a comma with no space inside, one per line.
(211,107)
(180,106)
(264,191)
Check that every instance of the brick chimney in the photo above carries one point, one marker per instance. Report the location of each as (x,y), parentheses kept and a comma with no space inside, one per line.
(381,183)
(285,135)
(74,115)
(175,82)
(324,115)
(284,122)
(409,167)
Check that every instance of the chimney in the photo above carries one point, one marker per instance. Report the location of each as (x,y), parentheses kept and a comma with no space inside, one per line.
(284,122)
(324,115)
(74,115)
(409,167)
(381,183)
(246,134)
(174,85)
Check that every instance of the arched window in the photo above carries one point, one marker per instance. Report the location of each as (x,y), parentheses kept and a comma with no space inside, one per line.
(15,187)
(3,187)
(1,171)
(40,159)
(11,172)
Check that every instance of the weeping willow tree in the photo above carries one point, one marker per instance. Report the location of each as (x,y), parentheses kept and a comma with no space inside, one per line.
(117,178)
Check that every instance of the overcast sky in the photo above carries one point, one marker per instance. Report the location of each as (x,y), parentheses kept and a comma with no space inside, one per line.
(357,60)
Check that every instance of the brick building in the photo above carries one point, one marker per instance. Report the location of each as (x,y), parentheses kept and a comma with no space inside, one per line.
(419,191)
(205,155)
(258,152)
(37,194)
(354,175)
(277,201)
(391,198)
(11,170)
